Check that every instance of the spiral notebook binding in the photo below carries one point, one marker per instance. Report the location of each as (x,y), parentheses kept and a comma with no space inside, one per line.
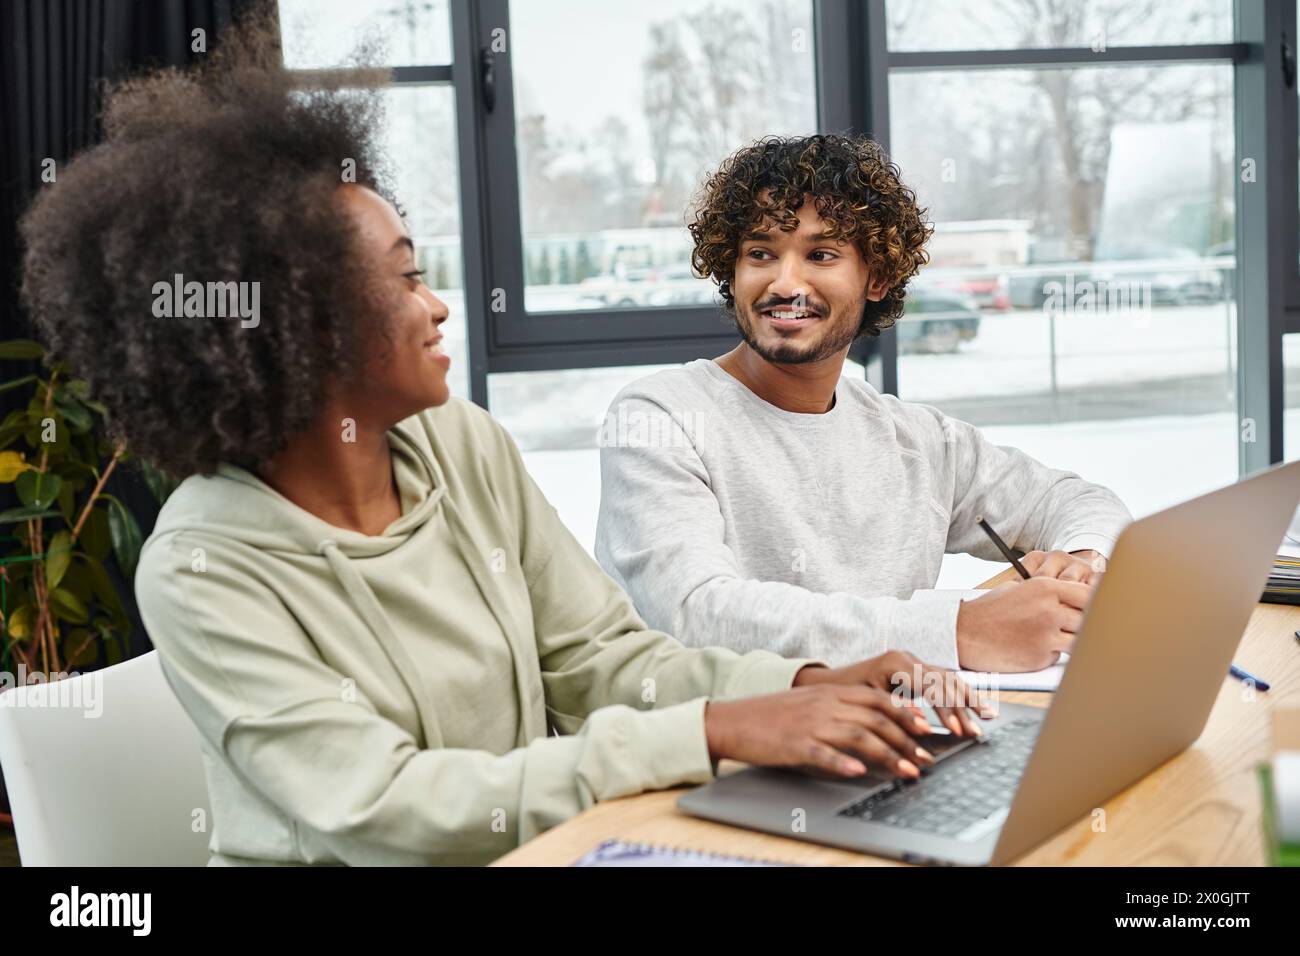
(606,851)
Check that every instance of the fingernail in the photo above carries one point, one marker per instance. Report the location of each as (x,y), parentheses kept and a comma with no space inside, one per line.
(925,754)
(979,731)
(922,723)
(908,768)
(954,724)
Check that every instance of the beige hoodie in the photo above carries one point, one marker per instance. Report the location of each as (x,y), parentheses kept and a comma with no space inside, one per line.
(392,699)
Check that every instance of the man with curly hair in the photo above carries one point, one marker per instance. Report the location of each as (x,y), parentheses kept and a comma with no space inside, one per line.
(762,500)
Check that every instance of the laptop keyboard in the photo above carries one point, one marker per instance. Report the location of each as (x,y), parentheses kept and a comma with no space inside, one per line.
(974,786)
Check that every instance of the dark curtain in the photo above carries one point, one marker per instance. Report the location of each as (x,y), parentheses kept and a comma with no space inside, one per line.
(54,58)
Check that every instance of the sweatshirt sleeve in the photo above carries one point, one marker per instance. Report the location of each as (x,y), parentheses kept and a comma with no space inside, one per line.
(661,533)
(1031,506)
(308,740)
(596,651)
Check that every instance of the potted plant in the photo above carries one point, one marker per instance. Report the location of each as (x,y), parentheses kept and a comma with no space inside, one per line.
(59,607)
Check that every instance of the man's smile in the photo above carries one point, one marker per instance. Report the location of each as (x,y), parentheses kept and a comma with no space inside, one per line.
(789,318)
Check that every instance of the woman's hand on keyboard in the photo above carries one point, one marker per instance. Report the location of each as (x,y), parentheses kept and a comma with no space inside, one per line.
(904,675)
(838,729)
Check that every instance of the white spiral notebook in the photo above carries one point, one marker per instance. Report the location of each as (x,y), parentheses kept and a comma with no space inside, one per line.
(1048,679)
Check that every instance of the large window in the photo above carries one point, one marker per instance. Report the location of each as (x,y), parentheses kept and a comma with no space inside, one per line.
(1079,298)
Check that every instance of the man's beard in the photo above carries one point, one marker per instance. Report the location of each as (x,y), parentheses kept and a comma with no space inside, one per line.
(839,336)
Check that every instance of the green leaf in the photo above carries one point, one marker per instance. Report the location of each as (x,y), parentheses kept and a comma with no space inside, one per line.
(74,413)
(66,605)
(94,536)
(14,424)
(22,622)
(127,540)
(113,637)
(159,484)
(67,501)
(21,349)
(38,490)
(17,382)
(77,578)
(57,558)
(62,434)
(102,587)
(14,515)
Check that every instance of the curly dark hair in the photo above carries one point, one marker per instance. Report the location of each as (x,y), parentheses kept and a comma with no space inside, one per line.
(857,192)
(223,173)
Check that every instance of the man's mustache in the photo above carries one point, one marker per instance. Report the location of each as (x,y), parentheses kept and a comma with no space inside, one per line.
(807,305)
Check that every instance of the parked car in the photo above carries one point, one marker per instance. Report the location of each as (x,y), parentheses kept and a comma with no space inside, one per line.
(1171,284)
(1029,291)
(614,292)
(678,285)
(645,288)
(936,320)
(990,292)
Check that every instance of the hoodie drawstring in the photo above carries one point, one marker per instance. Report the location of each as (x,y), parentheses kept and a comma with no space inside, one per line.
(521,641)
(373,613)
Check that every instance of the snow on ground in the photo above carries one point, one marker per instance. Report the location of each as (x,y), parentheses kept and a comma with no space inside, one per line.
(1012,352)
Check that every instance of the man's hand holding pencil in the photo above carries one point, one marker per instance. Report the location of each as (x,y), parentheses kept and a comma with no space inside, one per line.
(1026,625)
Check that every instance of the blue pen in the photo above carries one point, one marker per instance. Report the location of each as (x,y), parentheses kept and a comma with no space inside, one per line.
(1245,675)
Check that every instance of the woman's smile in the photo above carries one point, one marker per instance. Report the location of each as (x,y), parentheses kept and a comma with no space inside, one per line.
(433,349)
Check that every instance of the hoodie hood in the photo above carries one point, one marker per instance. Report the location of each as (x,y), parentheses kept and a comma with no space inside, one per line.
(237,505)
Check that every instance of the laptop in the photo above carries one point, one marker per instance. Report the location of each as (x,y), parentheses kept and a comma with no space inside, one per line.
(1148,663)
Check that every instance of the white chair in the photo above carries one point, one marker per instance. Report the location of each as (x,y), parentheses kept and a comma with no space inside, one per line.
(119,789)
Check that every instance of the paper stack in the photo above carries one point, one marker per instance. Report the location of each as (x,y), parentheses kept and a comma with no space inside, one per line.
(1284,582)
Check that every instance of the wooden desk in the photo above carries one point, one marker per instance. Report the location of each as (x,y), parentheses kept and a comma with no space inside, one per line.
(1200,809)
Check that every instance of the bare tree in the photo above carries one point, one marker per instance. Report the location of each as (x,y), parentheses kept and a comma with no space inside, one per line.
(1086,104)
(714,81)
(664,72)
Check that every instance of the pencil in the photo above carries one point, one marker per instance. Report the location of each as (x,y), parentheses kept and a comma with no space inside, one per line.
(1002,546)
